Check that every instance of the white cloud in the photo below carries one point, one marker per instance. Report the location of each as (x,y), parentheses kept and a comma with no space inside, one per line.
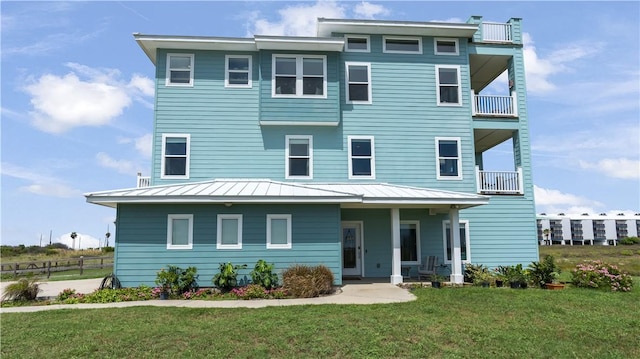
(368,10)
(82,241)
(61,103)
(122,166)
(614,167)
(144,144)
(451,19)
(539,70)
(297,20)
(40,184)
(554,201)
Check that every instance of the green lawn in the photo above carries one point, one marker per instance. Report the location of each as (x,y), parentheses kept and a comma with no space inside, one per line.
(451,322)
(627,258)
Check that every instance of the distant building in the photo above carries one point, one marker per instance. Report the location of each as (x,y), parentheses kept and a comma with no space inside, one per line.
(586,228)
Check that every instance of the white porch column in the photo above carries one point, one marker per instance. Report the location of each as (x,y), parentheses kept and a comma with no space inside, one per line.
(456,255)
(396,275)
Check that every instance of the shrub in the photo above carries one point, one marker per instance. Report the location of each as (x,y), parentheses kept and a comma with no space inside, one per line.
(107,249)
(472,272)
(629,240)
(597,274)
(176,280)
(69,296)
(544,271)
(262,274)
(23,289)
(303,281)
(227,277)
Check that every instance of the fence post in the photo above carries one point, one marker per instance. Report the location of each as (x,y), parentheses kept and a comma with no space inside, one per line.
(15,270)
(81,263)
(48,269)
(101,263)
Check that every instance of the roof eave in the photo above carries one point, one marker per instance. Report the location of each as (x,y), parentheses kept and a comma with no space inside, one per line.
(289,43)
(327,27)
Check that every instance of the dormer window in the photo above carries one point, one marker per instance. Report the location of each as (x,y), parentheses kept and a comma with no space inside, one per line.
(299,76)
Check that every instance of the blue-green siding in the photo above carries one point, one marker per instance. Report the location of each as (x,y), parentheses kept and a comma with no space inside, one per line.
(142,240)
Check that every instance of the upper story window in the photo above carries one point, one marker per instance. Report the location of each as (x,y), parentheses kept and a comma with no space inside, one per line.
(402,45)
(299,76)
(449,160)
(465,251)
(362,157)
(237,71)
(358,82)
(443,46)
(180,231)
(175,156)
(299,157)
(179,70)
(356,43)
(448,83)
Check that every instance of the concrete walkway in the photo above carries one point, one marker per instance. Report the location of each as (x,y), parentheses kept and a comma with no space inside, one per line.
(352,292)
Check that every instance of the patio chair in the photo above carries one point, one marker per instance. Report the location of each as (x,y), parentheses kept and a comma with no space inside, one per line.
(429,267)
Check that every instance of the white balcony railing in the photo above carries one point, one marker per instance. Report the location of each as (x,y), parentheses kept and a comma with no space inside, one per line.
(496,32)
(495,106)
(499,182)
(143,181)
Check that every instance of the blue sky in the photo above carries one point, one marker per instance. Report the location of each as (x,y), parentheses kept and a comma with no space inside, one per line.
(77,97)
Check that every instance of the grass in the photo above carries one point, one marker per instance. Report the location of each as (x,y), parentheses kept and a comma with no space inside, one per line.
(627,258)
(62,256)
(451,322)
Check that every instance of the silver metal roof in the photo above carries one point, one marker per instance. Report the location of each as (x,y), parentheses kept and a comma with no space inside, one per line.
(268,191)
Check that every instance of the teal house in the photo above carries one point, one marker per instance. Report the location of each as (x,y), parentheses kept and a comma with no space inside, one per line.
(362,149)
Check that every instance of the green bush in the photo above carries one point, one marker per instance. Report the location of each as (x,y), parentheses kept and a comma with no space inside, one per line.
(544,271)
(176,280)
(600,275)
(629,240)
(303,281)
(69,296)
(23,289)
(107,249)
(262,274)
(227,278)
(474,272)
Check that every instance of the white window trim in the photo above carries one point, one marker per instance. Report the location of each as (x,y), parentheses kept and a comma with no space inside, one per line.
(459,141)
(448,39)
(346,43)
(467,244)
(438,67)
(219,244)
(347,82)
(279,216)
(384,44)
(286,156)
(373,157)
(170,219)
(299,76)
(419,253)
(168,82)
(162,157)
(226,71)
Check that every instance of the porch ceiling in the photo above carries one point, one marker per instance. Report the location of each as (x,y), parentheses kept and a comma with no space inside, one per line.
(267,191)
(486,139)
(486,68)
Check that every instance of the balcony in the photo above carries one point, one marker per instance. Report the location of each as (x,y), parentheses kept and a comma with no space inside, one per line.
(143,181)
(495,106)
(499,182)
(496,32)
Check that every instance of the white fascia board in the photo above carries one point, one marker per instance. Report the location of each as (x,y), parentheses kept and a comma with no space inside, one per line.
(289,43)
(299,123)
(326,27)
(113,201)
(151,43)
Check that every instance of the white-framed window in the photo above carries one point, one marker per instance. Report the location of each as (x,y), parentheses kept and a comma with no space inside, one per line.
(448,158)
(278,231)
(358,82)
(465,251)
(237,71)
(299,157)
(180,231)
(229,234)
(299,76)
(175,156)
(362,157)
(402,45)
(179,70)
(448,85)
(410,242)
(445,46)
(356,43)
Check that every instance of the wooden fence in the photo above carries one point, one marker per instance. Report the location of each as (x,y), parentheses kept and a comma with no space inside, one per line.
(57,265)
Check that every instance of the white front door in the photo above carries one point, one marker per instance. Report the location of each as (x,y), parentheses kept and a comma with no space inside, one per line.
(351,248)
